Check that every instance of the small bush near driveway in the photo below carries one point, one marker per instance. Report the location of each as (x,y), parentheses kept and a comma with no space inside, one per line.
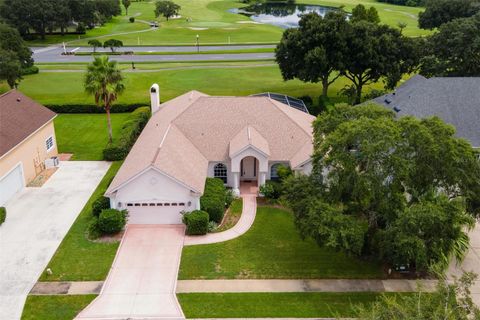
(3,215)
(112,221)
(100,204)
(213,199)
(196,222)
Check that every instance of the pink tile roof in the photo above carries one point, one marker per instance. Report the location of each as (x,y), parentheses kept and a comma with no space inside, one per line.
(248,136)
(195,128)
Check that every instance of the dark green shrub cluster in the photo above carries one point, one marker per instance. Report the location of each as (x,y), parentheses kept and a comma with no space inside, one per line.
(112,221)
(30,70)
(271,190)
(3,215)
(213,199)
(132,19)
(131,129)
(91,108)
(100,204)
(196,222)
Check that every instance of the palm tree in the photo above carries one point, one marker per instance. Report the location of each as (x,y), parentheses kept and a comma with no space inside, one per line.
(104,81)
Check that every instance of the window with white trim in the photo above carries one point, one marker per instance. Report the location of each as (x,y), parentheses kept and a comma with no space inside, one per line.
(274,171)
(49,143)
(220,172)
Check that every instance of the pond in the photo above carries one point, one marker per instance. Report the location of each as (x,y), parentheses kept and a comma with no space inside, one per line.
(283,15)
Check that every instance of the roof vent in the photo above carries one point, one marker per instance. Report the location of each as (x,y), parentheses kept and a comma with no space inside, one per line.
(397,109)
(18,99)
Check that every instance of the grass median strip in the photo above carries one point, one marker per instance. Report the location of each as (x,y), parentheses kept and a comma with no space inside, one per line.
(270,305)
(55,307)
(179,53)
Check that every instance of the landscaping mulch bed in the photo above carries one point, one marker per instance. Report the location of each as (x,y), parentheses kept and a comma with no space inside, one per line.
(42,177)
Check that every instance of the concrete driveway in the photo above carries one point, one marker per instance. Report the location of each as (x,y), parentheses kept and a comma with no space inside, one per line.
(142,281)
(37,221)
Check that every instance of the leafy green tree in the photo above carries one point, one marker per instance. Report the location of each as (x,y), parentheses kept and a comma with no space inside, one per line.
(105,82)
(10,40)
(361,13)
(375,52)
(10,68)
(450,301)
(397,188)
(113,44)
(438,12)
(126,4)
(95,44)
(454,49)
(166,8)
(314,51)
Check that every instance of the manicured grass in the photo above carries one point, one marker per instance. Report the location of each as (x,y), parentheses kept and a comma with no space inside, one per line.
(55,307)
(232,215)
(77,258)
(46,88)
(86,135)
(270,305)
(271,249)
(166,53)
(211,20)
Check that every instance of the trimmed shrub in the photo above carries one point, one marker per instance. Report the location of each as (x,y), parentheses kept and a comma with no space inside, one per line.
(271,190)
(112,221)
(91,108)
(93,229)
(132,19)
(131,129)
(196,222)
(229,197)
(213,199)
(3,215)
(100,204)
(29,70)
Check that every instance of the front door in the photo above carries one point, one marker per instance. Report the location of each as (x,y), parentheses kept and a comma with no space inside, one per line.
(249,168)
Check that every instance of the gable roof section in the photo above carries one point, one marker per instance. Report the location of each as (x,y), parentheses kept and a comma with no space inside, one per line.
(455,100)
(248,137)
(20,116)
(194,128)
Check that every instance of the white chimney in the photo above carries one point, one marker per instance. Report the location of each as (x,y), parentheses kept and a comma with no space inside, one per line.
(155,97)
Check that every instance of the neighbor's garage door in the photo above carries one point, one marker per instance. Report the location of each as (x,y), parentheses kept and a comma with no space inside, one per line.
(10,184)
(155,213)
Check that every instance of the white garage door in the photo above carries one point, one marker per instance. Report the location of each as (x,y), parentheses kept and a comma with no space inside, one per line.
(155,213)
(10,184)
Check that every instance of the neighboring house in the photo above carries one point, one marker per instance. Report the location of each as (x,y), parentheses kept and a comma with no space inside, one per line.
(195,136)
(455,100)
(27,139)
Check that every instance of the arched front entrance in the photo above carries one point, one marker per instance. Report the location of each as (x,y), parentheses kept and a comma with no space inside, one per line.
(249,169)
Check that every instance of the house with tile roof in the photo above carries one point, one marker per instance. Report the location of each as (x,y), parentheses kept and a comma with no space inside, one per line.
(456,100)
(195,136)
(27,140)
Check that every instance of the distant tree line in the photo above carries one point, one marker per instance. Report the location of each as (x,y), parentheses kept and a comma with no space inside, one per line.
(409,3)
(44,17)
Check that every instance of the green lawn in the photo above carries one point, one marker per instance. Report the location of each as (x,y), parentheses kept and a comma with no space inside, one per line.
(221,80)
(271,249)
(232,215)
(270,305)
(77,258)
(211,20)
(86,135)
(54,307)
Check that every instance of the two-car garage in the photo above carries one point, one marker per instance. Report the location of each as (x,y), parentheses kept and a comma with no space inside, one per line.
(155,212)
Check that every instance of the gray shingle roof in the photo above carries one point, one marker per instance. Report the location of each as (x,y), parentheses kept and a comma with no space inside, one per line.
(455,100)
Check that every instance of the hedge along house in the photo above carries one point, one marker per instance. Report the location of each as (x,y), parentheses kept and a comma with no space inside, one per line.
(195,136)
(27,141)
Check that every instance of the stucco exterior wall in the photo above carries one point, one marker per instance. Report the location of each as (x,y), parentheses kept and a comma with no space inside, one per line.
(153,186)
(31,150)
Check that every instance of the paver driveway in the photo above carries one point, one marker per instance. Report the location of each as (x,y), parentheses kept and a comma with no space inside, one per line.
(142,281)
(37,221)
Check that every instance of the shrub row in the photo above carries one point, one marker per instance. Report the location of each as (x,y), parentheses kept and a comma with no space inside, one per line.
(100,204)
(131,129)
(213,199)
(109,221)
(196,222)
(29,70)
(3,215)
(91,108)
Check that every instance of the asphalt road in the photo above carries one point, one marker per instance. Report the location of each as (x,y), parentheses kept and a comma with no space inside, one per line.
(54,54)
